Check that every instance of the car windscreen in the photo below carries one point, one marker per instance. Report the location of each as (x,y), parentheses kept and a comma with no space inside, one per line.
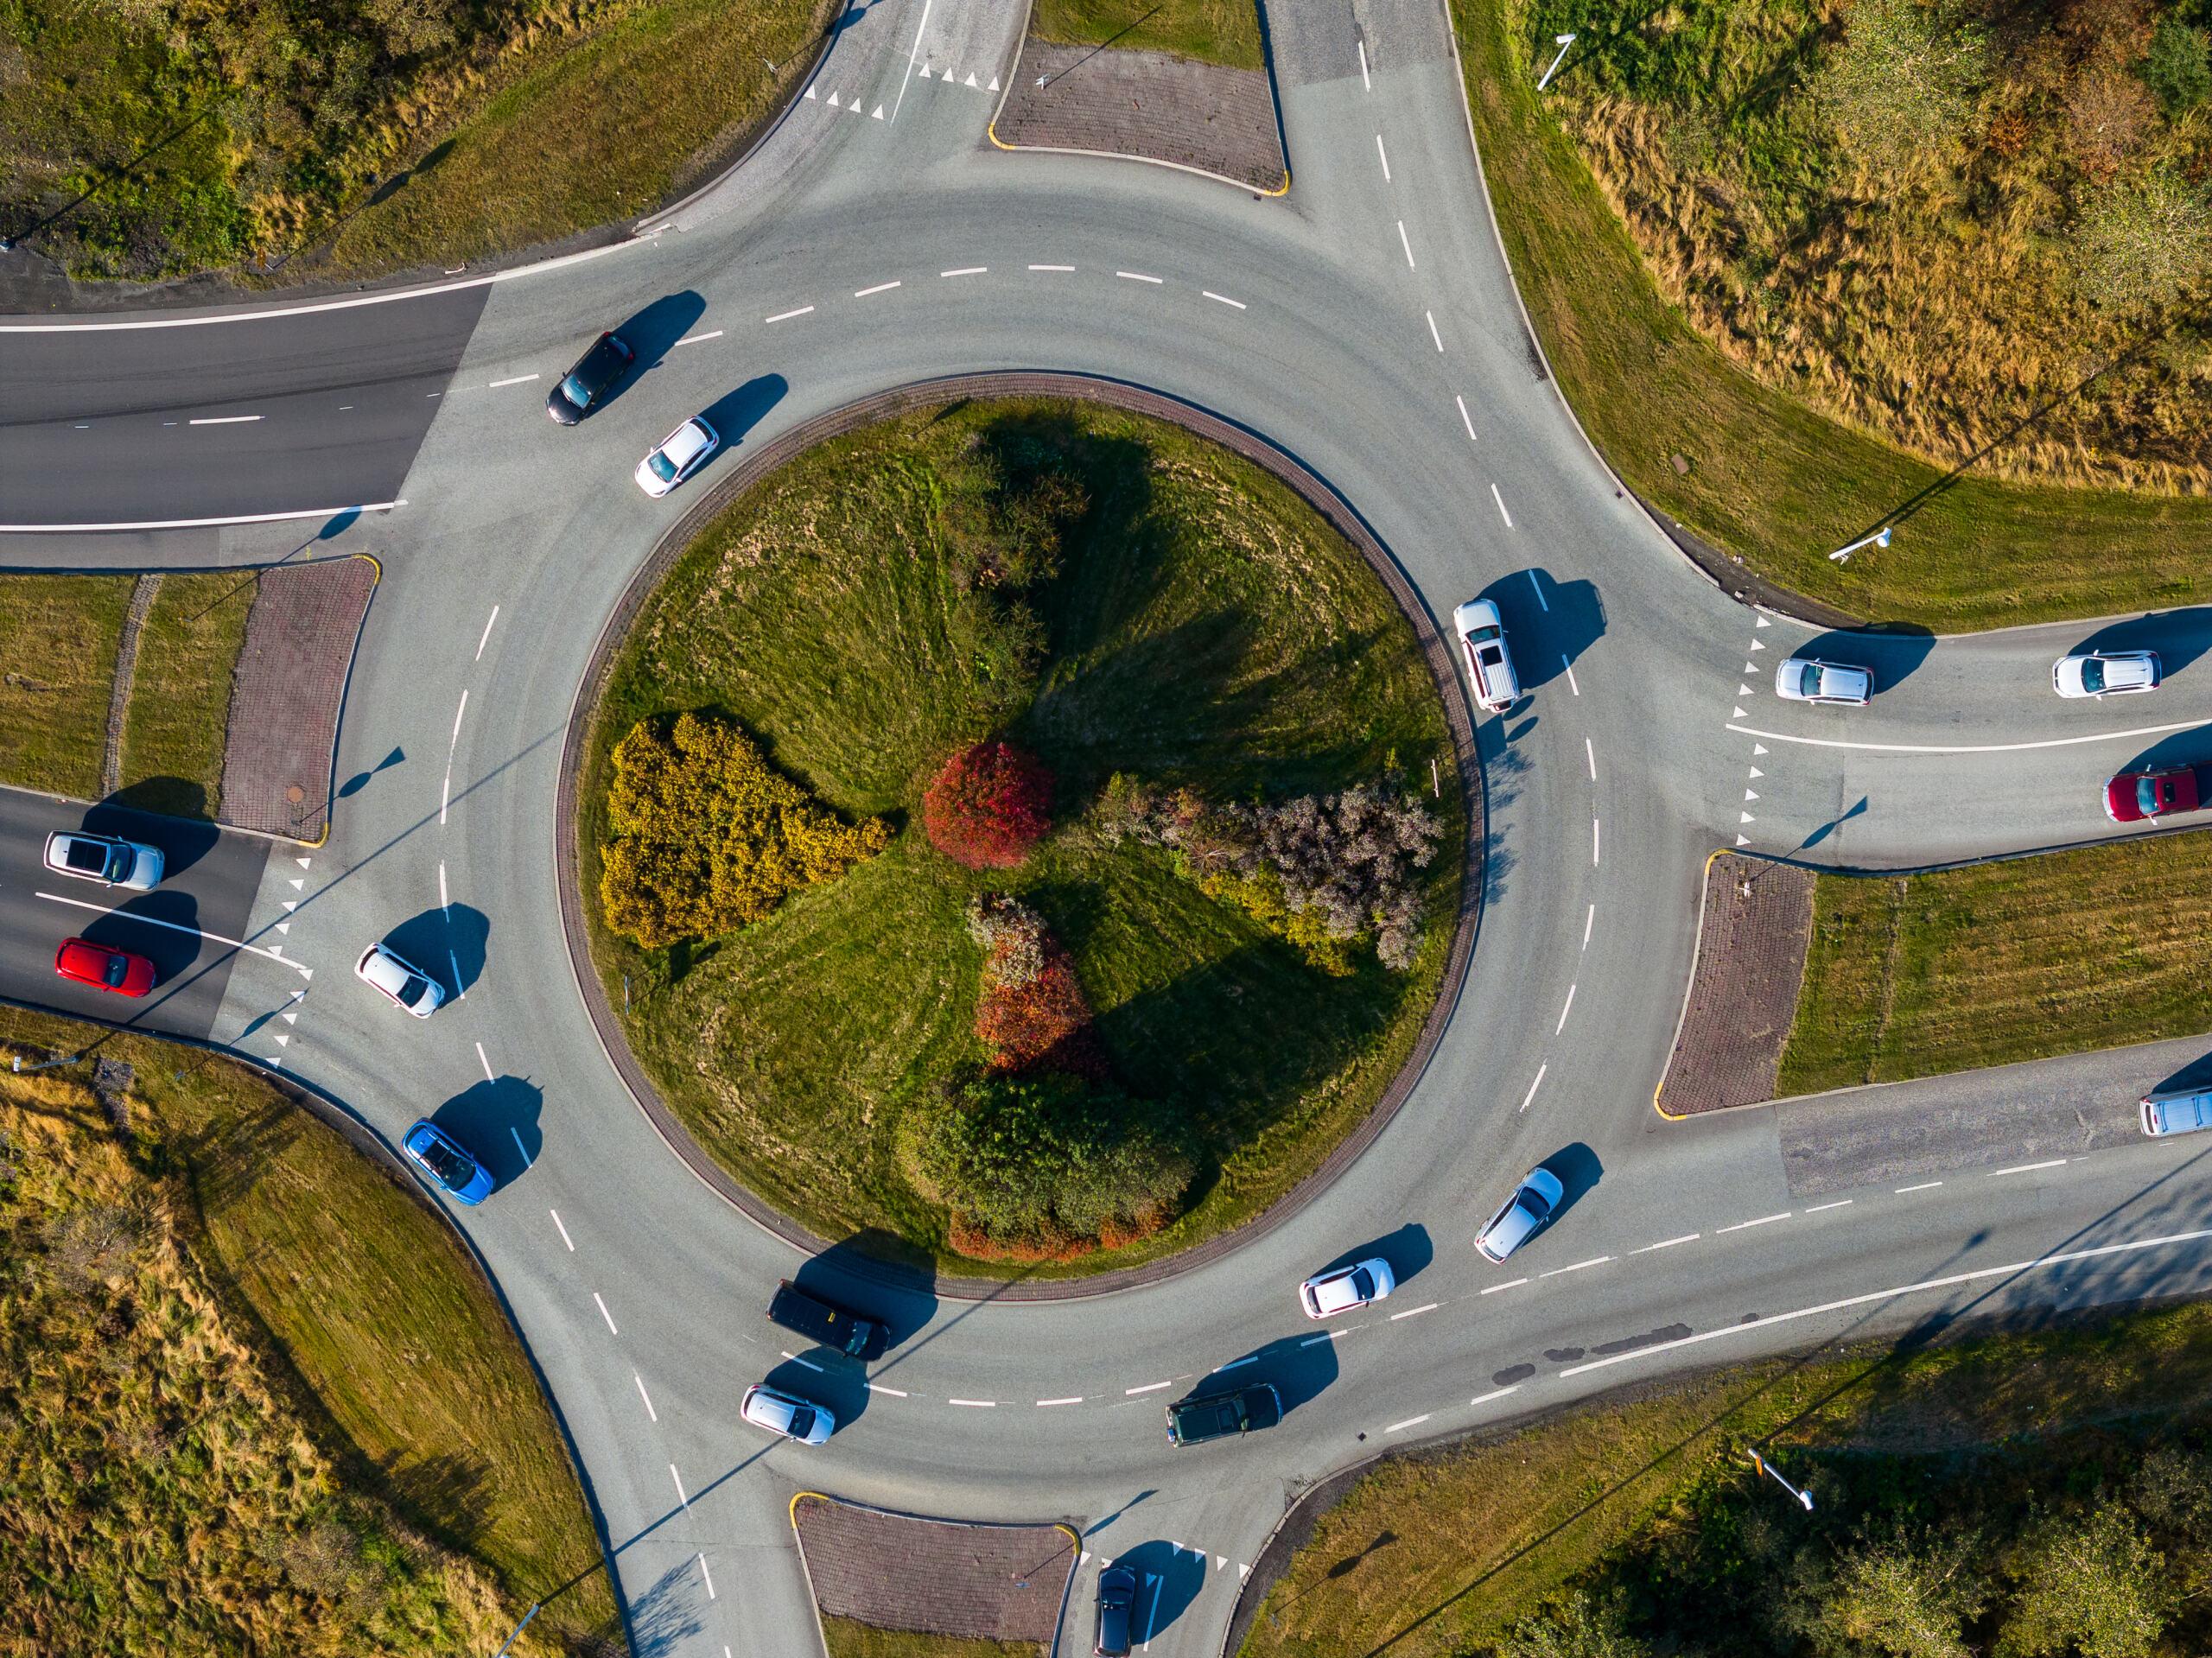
(1363,1285)
(801,1422)
(412,987)
(1533,1201)
(664,468)
(2093,675)
(117,967)
(2146,796)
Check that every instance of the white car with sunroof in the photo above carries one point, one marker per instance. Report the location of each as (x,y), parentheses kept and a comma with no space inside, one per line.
(2105,673)
(679,455)
(1326,1294)
(406,985)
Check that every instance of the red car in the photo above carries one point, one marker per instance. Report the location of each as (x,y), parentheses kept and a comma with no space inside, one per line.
(2134,796)
(104,969)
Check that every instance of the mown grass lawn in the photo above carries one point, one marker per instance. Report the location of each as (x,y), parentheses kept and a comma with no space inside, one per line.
(58,640)
(1437,1554)
(1206,629)
(317,1349)
(1769,481)
(174,733)
(849,1638)
(1226,32)
(1913,975)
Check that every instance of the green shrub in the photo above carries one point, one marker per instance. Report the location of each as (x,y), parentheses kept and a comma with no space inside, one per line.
(2179,66)
(2146,244)
(1900,87)
(2090,1584)
(706,838)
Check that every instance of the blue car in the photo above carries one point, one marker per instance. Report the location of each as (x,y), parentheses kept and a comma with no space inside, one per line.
(450,1168)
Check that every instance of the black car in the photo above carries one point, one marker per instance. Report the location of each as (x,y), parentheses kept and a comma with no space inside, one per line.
(825,1323)
(593,377)
(1193,1422)
(1117,1602)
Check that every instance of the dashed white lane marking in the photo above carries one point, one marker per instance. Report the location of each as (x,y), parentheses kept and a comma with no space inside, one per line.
(445,797)
(1568,665)
(1588,921)
(1668,1244)
(1406,242)
(796,1359)
(1466,419)
(1508,517)
(680,1496)
(650,1412)
(195,523)
(1139,275)
(1149,1386)
(976,1404)
(1235,1364)
(785,316)
(1841,1203)
(1969,748)
(706,1576)
(178,926)
(1925,1185)
(966,271)
(1545,603)
(1590,749)
(562,1230)
(1593,843)
(444,903)
(1595,1261)
(216,420)
(881,287)
(2026,1168)
(1495,1392)
(519,379)
(1411,1422)
(487,637)
(877,1386)
(1385,157)
(1953,1281)
(1565,1011)
(1051,268)
(486,1064)
(1223,298)
(457,713)
(605,1314)
(1414,1312)
(1510,1284)
(1433,333)
(1076,1400)
(1365,84)
(700,338)
(521,1148)
(1763,1220)
(1533,1087)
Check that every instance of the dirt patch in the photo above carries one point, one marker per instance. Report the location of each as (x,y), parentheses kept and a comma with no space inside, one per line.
(942,1576)
(1112,101)
(1752,935)
(285,700)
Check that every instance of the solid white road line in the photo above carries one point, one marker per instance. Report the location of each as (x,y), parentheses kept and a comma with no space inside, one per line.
(1595,1261)
(1411,1422)
(486,640)
(1531,1094)
(1925,1185)
(223,420)
(1433,333)
(195,523)
(1414,1312)
(1139,275)
(175,926)
(605,1314)
(1508,517)
(1668,1244)
(785,316)
(1741,1225)
(1971,748)
(519,379)
(1149,1386)
(1223,298)
(562,1230)
(1565,1011)
(913,56)
(881,287)
(1510,1284)
(486,1064)
(649,1411)
(966,270)
(1953,1281)
(2026,1168)
(1467,420)
(1406,242)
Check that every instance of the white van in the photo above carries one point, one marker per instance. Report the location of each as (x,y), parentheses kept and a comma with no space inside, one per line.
(2179,1112)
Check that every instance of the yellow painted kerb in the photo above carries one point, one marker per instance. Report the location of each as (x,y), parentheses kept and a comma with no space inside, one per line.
(1705,880)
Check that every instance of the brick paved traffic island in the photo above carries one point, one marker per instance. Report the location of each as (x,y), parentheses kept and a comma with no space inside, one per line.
(285,697)
(1753,934)
(938,1577)
(1113,101)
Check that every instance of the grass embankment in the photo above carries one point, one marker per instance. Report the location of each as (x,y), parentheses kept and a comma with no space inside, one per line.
(847,1638)
(1206,628)
(221,134)
(61,635)
(1226,32)
(174,733)
(1913,975)
(1769,479)
(1983,1459)
(256,1396)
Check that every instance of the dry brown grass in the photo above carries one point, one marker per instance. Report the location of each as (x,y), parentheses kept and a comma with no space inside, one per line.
(58,640)
(174,734)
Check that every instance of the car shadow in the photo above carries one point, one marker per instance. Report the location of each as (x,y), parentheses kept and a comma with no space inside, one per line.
(855,1274)
(2196,1074)
(1549,624)
(1891,652)
(650,332)
(497,1123)
(2192,747)
(1299,1367)
(821,1377)
(735,413)
(1578,1171)
(138,926)
(2179,635)
(1407,1250)
(447,943)
(183,840)
(1169,1578)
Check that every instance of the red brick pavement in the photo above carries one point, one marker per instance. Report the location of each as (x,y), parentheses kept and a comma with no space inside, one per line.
(1117,102)
(942,1576)
(286,695)
(1750,961)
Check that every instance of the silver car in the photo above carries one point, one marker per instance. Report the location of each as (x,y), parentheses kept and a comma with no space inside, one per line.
(409,986)
(679,455)
(108,859)
(780,1413)
(1326,1294)
(1525,1214)
(1808,679)
(1482,642)
(2105,673)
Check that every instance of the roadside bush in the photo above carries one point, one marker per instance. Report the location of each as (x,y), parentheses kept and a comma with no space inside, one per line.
(2179,66)
(1895,1594)
(2091,1584)
(2147,244)
(987,805)
(706,838)
(1900,87)
(1032,1013)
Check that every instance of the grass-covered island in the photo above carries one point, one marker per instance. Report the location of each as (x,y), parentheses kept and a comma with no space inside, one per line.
(1015,826)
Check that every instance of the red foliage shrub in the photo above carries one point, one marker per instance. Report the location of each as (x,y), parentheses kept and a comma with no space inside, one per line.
(972,1240)
(988,806)
(1042,1024)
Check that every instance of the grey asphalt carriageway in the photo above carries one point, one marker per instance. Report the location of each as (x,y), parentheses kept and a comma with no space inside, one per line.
(1367,325)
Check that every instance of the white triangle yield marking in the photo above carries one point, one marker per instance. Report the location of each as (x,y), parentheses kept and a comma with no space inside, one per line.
(1743,840)
(1751,667)
(1751,794)
(298,886)
(1756,773)
(970,81)
(307,973)
(277,1060)
(291,903)
(1760,621)
(852,108)
(1219,1562)
(299,996)
(1085,1555)
(1758,748)
(277,951)
(283,926)
(878,116)
(925,75)
(1745,817)
(303,862)
(281,1039)
(834,103)
(290,1019)
(1740,714)
(1758,644)
(994,86)
(810,91)
(1243,1570)
(1745,691)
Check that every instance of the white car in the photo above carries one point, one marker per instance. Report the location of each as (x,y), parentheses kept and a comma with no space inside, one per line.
(108,859)
(2105,673)
(1326,1294)
(794,1419)
(1482,639)
(1525,1214)
(2178,1114)
(409,986)
(682,452)
(1808,679)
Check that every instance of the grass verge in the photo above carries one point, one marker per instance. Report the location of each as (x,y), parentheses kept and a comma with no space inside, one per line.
(1768,480)
(1226,32)
(174,731)
(1914,976)
(61,634)
(1649,1499)
(847,1638)
(1206,628)
(313,1427)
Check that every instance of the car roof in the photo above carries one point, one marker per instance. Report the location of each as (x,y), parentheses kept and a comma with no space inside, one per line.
(386,971)
(1336,1291)
(685,441)
(771,1407)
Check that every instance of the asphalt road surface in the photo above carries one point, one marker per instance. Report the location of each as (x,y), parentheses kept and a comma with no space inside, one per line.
(1367,324)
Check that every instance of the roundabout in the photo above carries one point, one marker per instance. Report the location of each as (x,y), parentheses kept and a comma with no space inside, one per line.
(1368,331)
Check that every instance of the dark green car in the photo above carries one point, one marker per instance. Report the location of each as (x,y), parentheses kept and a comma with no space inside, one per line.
(1193,1422)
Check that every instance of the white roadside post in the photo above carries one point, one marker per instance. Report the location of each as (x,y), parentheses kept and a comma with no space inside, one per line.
(1804,1498)
(1879,538)
(1562,41)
